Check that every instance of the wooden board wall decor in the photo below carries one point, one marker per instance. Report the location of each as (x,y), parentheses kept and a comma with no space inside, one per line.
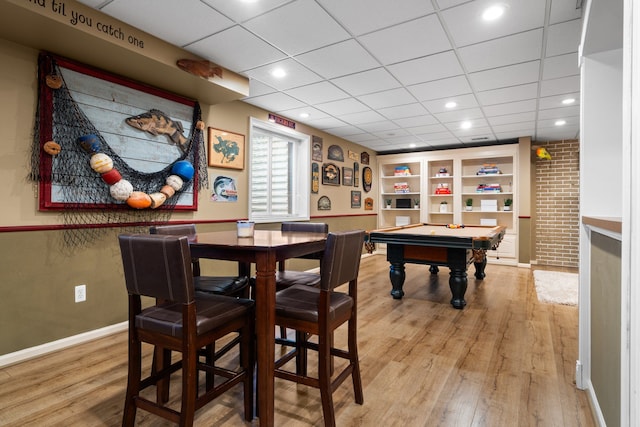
(144,132)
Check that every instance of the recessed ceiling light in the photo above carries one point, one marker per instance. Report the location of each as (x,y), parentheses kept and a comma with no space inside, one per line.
(465,125)
(451,104)
(560,122)
(493,12)
(568,101)
(412,145)
(278,73)
(304,115)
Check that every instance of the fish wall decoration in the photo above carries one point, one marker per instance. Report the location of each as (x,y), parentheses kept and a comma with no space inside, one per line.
(200,68)
(157,123)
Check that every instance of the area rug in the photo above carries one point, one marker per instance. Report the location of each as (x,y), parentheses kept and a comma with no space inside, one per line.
(556,287)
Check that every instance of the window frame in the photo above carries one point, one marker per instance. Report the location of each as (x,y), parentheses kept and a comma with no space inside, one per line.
(301,180)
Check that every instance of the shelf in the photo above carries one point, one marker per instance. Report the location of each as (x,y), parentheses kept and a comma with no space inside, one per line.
(400,176)
(401,194)
(495,175)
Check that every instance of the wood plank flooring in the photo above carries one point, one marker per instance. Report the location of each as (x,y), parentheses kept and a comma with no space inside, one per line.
(505,360)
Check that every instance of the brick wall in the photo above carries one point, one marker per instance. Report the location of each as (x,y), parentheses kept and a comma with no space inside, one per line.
(557,204)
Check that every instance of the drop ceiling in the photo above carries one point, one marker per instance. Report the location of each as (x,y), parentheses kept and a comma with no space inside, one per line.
(379,73)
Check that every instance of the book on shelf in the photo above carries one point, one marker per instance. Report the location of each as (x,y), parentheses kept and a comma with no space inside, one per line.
(402,171)
(401,187)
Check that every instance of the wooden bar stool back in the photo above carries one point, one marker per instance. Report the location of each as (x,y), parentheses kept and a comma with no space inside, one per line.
(319,311)
(159,266)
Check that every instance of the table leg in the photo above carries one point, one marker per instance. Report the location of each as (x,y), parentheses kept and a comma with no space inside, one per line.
(458,286)
(397,276)
(265,335)
(433,269)
(480,262)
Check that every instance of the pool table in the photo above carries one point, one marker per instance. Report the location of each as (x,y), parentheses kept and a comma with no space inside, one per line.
(437,245)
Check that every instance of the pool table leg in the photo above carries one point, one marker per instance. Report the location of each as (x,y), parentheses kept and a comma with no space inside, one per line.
(397,276)
(458,286)
(434,269)
(480,262)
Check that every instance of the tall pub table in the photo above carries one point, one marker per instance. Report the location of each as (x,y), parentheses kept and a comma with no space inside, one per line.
(263,250)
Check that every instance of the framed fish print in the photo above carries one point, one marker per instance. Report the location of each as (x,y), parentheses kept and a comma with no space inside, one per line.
(226,149)
(114,143)
(330,174)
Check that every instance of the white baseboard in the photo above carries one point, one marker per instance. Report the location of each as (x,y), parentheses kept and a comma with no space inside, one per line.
(40,350)
(595,406)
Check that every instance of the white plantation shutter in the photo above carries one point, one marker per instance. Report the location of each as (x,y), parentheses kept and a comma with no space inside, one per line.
(279,175)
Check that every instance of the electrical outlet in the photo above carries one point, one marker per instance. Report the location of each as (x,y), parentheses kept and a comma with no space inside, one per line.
(81,293)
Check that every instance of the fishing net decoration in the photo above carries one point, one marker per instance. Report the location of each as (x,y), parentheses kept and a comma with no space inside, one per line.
(71,171)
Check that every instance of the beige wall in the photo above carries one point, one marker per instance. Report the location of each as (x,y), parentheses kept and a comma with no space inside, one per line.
(38,271)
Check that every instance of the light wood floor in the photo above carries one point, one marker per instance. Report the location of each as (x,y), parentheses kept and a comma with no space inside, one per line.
(505,360)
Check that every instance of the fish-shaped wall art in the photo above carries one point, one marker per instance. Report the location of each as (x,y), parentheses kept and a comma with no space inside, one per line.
(201,68)
(156,123)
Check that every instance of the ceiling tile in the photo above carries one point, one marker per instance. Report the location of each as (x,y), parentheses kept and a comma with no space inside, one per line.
(426,69)
(363,117)
(560,66)
(459,115)
(477,126)
(236,49)
(340,59)
(515,134)
(420,37)
(565,10)
(307,27)
(341,107)
(380,126)
(416,121)
(563,38)
(364,16)
(510,108)
(443,88)
(257,88)
(366,82)
(466,26)
(326,123)
(241,11)
(423,130)
(511,75)
(402,111)
(508,94)
(462,101)
(275,102)
(388,98)
(352,132)
(559,113)
(529,116)
(510,127)
(294,114)
(496,53)
(318,93)
(559,86)
(555,101)
(202,19)
(297,75)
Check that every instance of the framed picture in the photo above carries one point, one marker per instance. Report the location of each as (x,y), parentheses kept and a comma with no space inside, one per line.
(324,203)
(356,174)
(330,174)
(335,153)
(316,148)
(315,178)
(368,204)
(353,155)
(226,149)
(364,158)
(356,199)
(347,176)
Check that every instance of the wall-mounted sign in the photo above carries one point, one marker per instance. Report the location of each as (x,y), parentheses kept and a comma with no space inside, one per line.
(282,121)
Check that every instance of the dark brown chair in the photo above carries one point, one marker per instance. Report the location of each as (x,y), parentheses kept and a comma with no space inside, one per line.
(160,267)
(286,278)
(319,311)
(220,285)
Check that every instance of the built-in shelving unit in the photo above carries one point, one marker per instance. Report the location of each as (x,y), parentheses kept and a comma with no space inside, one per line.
(400,193)
(487,176)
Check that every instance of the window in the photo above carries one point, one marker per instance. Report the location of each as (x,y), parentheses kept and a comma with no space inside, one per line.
(279,173)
